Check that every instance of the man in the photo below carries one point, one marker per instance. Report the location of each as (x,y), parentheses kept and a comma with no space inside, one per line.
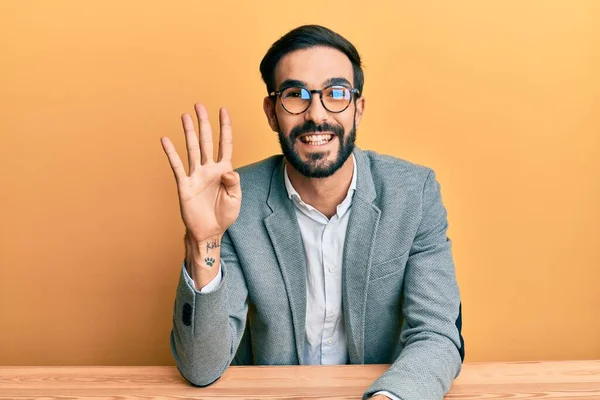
(335,255)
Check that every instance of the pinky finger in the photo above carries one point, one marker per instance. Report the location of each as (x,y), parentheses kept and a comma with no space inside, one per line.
(174,160)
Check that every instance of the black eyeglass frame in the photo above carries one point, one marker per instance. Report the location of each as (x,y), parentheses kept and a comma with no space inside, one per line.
(353,92)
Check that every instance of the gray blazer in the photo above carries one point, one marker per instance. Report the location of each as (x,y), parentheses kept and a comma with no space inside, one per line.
(400,298)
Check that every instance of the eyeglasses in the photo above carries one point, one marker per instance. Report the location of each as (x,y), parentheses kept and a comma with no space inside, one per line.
(297,99)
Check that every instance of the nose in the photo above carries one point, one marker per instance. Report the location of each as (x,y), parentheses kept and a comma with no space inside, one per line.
(316,112)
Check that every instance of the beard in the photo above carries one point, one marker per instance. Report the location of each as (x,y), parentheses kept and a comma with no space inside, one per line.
(317,165)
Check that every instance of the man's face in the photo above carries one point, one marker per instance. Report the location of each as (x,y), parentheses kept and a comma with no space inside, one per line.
(316,142)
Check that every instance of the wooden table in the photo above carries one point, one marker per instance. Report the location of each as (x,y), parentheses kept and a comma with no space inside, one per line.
(519,380)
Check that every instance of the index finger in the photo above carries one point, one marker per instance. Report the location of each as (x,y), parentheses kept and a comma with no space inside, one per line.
(226,138)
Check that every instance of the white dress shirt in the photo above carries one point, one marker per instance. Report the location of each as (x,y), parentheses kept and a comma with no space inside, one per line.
(323,239)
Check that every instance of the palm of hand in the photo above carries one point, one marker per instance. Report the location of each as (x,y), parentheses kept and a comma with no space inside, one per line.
(210,196)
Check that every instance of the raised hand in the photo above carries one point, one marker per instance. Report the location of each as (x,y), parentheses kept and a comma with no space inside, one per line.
(210,195)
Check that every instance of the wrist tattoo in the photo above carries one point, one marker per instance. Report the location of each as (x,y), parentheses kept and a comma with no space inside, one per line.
(213,244)
(209,261)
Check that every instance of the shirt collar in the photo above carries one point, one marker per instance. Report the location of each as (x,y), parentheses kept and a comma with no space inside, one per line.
(341,208)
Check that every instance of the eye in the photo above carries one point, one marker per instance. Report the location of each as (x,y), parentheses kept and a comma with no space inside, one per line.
(338,93)
(296,93)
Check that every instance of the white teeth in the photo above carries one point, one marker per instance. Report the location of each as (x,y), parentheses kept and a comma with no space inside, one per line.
(316,139)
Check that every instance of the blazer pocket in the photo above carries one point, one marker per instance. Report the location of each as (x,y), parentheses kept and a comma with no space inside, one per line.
(390,267)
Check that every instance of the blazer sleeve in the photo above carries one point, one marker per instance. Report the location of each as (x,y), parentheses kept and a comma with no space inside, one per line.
(208,327)
(433,347)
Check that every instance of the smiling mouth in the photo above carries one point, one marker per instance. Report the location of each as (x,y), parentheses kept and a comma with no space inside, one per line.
(316,139)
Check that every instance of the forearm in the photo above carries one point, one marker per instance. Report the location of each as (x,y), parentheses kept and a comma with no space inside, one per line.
(207,327)
(201,339)
(202,259)
(424,370)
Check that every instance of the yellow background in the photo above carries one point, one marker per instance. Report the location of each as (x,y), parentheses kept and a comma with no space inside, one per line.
(501,98)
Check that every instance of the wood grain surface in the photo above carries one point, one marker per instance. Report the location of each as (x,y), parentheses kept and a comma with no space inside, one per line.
(516,380)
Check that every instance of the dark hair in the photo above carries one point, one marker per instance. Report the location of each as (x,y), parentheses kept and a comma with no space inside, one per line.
(304,37)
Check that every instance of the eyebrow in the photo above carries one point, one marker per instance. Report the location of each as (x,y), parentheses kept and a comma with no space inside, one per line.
(337,81)
(291,83)
(328,82)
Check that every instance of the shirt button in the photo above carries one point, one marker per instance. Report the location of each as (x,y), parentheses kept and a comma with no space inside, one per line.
(329,341)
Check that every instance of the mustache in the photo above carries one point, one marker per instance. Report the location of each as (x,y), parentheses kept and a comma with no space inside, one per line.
(312,127)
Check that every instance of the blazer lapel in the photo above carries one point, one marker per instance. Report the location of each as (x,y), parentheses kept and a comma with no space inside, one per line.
(284,231)
(358,246)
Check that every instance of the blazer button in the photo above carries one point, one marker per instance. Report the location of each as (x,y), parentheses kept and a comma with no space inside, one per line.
(187,314)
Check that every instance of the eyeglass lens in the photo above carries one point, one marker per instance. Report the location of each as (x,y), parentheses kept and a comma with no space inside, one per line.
(298,99)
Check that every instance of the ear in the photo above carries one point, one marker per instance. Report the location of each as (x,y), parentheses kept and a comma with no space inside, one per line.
(360,109)
(269,109)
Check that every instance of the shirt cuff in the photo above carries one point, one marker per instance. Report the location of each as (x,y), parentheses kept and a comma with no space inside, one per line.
(210,286)
(388,394)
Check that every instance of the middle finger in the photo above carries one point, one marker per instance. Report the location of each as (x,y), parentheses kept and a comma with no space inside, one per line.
(206,144)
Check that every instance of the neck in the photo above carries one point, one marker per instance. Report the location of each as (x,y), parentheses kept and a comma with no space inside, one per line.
(324,194)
